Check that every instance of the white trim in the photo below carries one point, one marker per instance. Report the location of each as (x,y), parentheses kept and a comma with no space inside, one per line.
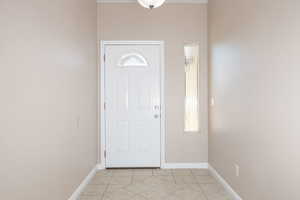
(203,165)
(102,94)
(83,184)
(162,106)
(101,106)
(167,1)
(99,128)
(222,181)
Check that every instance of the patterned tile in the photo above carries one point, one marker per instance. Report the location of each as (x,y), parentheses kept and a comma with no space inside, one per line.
(122,172)
(200,172)
(205,179)
(185,179)
(101,180)
(162,172)
(142,172)
(156,184)
(121,180)
(114,188)
(188,193)
(121,194)
(150,180)
(104,173)
(94,190)
(90,197)
(215,192)
(182,172)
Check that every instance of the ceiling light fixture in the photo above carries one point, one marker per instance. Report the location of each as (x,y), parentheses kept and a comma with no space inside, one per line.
(151,3)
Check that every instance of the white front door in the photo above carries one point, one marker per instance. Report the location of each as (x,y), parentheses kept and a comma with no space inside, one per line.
(132,99)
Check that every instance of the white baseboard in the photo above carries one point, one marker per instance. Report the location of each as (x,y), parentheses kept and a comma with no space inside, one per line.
(185,165)
(100,166)
(222,181)
(84,183)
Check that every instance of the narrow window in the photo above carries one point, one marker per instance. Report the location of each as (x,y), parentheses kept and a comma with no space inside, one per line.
(191,118)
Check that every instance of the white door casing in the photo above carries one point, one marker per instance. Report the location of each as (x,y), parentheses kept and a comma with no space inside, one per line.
(134,109)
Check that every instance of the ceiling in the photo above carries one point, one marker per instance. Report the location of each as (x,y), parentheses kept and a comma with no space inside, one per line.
(168,1)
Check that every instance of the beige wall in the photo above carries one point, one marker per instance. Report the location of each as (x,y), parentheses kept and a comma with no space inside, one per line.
(176,24)
(48,79)
(254,73)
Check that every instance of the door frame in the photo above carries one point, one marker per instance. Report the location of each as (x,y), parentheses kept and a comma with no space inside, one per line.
(101,97)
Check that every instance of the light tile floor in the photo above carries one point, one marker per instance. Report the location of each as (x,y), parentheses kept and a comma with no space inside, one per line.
(154,184)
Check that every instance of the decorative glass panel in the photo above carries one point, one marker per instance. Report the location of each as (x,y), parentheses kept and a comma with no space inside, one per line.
(191,119)
(132,60)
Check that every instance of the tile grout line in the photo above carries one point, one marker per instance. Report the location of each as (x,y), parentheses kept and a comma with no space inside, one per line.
(204,194)
(131,183)
(110,177)
(199,184)
(102,196)
(173,175)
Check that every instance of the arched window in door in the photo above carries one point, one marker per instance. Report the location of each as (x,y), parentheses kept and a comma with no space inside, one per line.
(132,60)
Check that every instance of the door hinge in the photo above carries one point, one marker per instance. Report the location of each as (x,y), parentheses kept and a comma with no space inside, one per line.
(104,57)
(104,105)
(104,153)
